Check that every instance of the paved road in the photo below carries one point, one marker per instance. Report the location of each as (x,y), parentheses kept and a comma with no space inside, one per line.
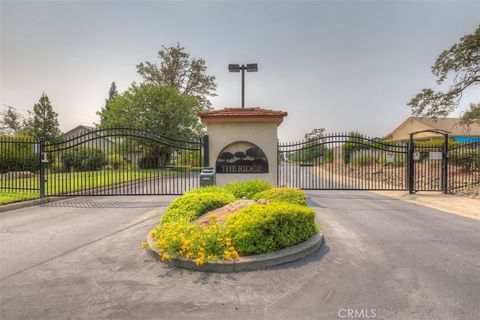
(160,184)
(80,259)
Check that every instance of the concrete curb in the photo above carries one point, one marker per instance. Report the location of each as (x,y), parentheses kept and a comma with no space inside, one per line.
(28,203)
(255,262)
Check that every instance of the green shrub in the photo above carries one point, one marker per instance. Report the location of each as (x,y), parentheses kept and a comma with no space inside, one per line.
(55,166)
(17,154)
(247,189)
(467,159)
(209,189)
(270,227)
(156,159)
(354,142)
(313,152)
(188,158)
(149,162)
(115,161)
(83,159)
(289,195)
(192,205)
(284,222)
(328,156)
(436,143)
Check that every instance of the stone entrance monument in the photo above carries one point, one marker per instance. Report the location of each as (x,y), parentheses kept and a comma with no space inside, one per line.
(243,143)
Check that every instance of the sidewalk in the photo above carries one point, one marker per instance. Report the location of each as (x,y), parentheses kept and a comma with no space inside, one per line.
(445,202)
(450,203)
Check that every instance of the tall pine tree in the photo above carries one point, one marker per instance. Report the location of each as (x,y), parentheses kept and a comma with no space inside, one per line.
(112,94)
(44,121)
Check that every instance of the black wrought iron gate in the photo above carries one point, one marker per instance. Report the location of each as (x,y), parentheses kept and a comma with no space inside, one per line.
(126,161)
(356,162)
(119,161)
(342,162)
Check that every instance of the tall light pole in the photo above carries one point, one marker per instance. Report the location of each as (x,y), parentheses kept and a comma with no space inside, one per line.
(251,67)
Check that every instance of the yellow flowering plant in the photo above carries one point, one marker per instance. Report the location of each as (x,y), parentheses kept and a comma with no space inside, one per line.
(186,239)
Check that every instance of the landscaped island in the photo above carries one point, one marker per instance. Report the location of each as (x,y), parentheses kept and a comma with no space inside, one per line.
(214,224)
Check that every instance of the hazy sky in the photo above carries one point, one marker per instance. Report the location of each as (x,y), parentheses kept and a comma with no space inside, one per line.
(338,65)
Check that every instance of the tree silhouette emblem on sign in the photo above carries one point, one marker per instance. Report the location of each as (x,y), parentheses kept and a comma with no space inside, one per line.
(242,157)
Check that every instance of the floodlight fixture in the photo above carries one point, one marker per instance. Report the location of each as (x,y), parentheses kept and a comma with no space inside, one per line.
(234,68)
(250,67)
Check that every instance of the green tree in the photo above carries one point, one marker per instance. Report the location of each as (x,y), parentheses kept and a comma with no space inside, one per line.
(179,70)
(44,121)
(312,150)
(160,109)
(112,94)
(163,110)
(12,122)
(471,116)
(463,61)
(315,134)
(355,141)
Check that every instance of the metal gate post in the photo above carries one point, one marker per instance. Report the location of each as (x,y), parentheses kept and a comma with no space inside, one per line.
(445,164)
(42,168)
(278,162)
(410,165)
(206,160)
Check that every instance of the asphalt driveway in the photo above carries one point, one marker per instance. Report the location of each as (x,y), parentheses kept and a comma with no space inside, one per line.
(383,259)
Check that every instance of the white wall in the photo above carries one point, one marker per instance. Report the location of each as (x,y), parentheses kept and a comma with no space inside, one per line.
(262,134)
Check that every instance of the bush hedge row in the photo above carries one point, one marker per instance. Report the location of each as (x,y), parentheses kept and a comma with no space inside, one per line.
(288,195)
(247,189)
(265,228)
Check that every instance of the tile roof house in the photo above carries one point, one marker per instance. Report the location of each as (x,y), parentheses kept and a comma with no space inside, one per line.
(451,126)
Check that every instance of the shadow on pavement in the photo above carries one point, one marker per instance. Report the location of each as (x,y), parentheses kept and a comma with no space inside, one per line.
(314,257)
(350,195)
(213,277)
(109,204)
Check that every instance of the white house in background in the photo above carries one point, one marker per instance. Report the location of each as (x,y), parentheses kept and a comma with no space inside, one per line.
(88,135)
(94,139)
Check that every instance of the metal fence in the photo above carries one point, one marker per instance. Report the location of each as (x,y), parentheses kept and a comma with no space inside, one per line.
(356,162)
(342,162)
(111,161)
(126,161)
(463,168)
(19,164)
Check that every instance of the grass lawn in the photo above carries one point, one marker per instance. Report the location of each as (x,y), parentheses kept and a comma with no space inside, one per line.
(74,181)
(59,183)
(14,196)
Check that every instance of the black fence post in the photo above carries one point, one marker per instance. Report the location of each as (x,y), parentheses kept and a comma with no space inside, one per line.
(278,162)
(410,165)
(41,143)
(445,164)
(206,160)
